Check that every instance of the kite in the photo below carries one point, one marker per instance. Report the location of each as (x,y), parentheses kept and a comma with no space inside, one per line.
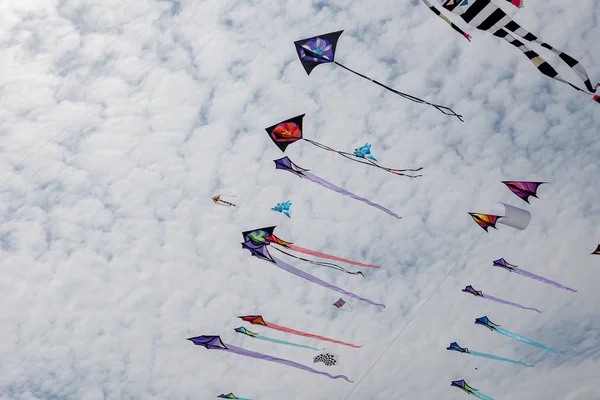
(340,303)
(454,346)
(231,396)
(486,16)
(283,208)
(463,386)
(485,220)
(258,320)
(289,131)
(328,359)
(523,189)
(504,214)
(502,263)
(257,336)
(218,200)
(259,250)
(266,236)
(287,165)
(597,251)
(320,49)
(516,3)
(479,293)
(496,328)
(212,342)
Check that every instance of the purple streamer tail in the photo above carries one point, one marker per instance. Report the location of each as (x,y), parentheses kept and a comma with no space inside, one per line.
(324,183)
(293,270)
(509,303)
(260,356)
(541,279)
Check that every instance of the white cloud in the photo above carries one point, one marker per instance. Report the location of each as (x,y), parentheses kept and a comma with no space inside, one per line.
(119,120)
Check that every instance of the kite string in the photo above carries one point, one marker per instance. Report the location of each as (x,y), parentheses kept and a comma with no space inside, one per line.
(413,317)
(440,284)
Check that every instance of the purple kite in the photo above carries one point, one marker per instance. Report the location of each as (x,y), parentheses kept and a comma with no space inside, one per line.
(212,342)
(287,165)
(524,189)
(479,293)
(502,263)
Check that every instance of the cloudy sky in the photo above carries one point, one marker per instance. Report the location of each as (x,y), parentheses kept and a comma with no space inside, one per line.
(120,119)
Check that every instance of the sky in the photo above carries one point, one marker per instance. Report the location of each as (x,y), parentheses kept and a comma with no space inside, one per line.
(119,121)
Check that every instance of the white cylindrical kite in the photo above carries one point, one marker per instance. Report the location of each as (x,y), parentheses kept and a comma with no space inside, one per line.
(504,214)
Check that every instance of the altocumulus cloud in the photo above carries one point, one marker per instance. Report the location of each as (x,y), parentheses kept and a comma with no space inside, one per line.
(119,120)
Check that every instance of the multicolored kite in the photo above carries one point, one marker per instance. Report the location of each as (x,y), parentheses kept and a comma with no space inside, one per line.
(258,320)
(597,251)
(283,208)
(213,342)
(479,293)
(246,332)
(455,347)
(287,165)
(340,304)
(466,388)
(485,220)
(231,396)
(486,16)
(496,328)
(502,263)
(328,359)
(289,131)
(524,189)
(266,236)
(320,49)
(217,200)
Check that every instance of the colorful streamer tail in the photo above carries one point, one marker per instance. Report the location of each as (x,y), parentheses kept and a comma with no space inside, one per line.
(330,186)
(492,357)
(526,340)
(509,303)
(541,279)
(327,256)
(260,356)
(293,270)
(268,339)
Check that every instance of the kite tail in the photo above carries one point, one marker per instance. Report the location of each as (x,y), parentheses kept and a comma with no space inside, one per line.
(330,186)
(542,65)
(267,339)
(286,267)
(481,396)
(260,356)
(442,16)
(321,263)
(366,161)
(526,340)
(492,357)
(541,279)
(444,110)
(509,303)
(327,256)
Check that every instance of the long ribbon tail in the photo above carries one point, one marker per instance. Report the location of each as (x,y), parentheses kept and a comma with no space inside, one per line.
(444,110)
(365,161)
(492,357)
(442,16)
(330,186)
(526,340)
(309,335)
(286,267)
(327,256)
(320,263)
(509,303)
(542,65)
(260,356)
(481,396)
(268,339)
(541,279)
